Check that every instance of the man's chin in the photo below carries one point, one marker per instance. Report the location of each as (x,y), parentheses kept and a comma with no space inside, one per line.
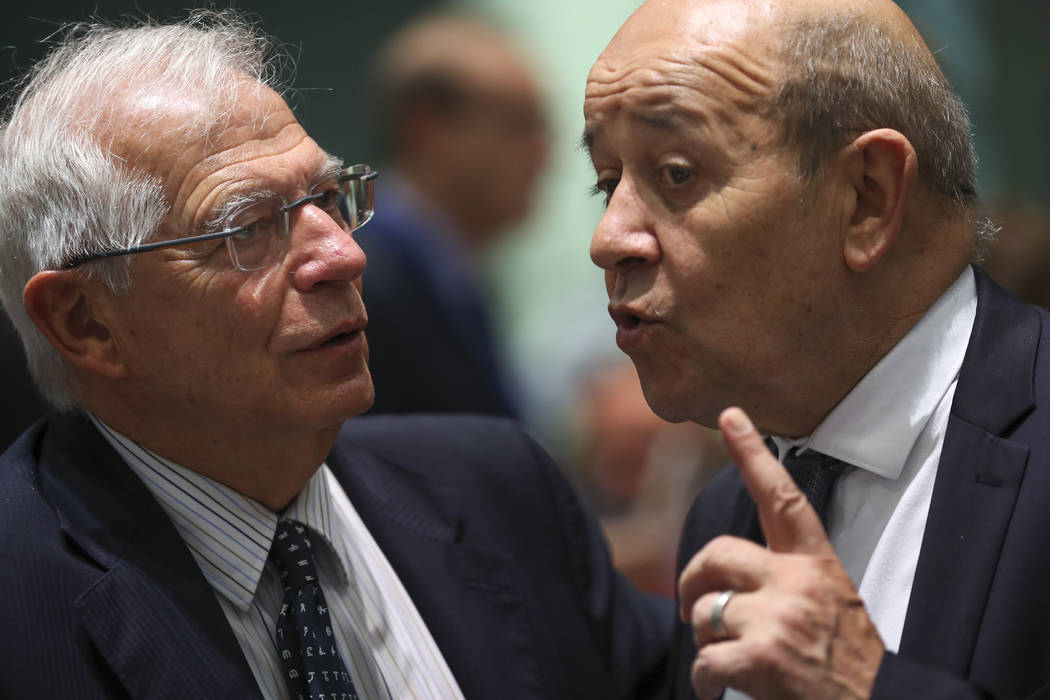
(334,405)
(675,402)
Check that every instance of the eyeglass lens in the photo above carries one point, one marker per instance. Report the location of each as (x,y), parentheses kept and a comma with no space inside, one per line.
(262,229)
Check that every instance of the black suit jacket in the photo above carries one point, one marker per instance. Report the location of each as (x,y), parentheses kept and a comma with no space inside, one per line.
(21,404)
(103,600)
(978,620)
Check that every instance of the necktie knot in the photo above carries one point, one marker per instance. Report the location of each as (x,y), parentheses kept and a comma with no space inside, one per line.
(815,474)
(293,554)
(309,657)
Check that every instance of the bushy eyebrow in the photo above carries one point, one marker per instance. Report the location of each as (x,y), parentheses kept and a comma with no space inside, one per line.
(326,169)
(662,120)
(329,168)
(234,204)
(587,141)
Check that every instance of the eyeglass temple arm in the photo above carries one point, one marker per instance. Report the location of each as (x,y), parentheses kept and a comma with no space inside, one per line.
(146,247)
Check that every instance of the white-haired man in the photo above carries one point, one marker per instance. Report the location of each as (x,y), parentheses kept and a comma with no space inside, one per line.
(200,525)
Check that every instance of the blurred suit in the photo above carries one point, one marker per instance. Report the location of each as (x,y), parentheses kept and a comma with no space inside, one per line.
(432,347)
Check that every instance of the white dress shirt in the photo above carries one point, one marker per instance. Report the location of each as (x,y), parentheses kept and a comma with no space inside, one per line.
(891,427)
(384,642)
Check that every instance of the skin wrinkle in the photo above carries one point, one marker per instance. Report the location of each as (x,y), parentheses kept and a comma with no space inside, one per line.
(750,89)
(676,119)
(277,314)
(645,86)
(212,168)
(242,195)
(751,276)
(241,192)
(721,99)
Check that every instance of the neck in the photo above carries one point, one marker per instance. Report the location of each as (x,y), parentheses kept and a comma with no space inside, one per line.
(269,468)
(878,311)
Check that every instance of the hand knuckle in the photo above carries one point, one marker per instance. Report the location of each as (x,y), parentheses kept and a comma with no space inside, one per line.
(762,654)
(788,613)
(720,547)
(786,500)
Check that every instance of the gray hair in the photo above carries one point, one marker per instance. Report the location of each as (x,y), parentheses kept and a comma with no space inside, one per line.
(64,192)
(846,75)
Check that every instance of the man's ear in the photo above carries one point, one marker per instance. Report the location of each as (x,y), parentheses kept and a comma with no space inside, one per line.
(882,168)
(66,308)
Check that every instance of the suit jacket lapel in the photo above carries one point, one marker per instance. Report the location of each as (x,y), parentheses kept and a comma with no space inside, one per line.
(977,483)
(456,589)
(152,615)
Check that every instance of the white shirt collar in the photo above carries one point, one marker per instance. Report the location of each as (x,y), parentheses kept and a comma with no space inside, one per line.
(228,534)
(877,423)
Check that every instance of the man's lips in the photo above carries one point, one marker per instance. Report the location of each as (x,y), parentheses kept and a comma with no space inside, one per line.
(632,325)
(343,333)
(629,318)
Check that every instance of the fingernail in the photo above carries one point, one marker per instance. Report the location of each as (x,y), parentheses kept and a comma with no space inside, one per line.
(737,421)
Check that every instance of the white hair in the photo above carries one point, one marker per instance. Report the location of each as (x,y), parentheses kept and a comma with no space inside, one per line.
(64,192)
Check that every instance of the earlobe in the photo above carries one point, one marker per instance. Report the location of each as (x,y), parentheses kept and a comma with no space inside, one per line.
(65,309)
(883,170)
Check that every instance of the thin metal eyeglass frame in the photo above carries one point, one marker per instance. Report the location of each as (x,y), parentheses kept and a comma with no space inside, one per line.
(344,174)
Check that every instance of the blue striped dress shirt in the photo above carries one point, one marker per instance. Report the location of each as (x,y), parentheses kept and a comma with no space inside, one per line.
(383,640)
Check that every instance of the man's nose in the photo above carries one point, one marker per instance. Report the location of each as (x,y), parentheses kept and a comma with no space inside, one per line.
(625,235)
(322,250)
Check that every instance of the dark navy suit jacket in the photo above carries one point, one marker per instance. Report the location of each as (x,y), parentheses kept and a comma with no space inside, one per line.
(978,620)
(432,346)
(101,598)
(20,403)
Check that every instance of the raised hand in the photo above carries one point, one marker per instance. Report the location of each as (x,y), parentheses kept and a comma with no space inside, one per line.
(794,626)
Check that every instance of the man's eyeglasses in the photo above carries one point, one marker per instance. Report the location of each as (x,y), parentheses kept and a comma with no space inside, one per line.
(257,235)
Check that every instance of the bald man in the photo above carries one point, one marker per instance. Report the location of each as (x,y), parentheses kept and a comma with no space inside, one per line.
(460,118)
(791,219)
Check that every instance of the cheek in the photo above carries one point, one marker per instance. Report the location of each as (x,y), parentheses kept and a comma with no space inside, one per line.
(251,322)
(231,327)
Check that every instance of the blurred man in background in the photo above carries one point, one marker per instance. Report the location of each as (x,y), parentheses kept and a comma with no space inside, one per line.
(638,471)
(463,128)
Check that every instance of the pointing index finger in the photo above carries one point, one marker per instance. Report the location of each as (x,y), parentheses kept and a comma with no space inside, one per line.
(788,521)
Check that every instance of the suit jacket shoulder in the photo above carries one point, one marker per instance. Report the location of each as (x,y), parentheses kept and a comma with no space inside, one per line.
(492,544)
(508,573)
(102,599)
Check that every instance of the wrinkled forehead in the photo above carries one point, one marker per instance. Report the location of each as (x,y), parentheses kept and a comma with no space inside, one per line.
(702,62)
(683,44)
(171,133)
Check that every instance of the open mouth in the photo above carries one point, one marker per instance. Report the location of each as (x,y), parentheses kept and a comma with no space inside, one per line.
(629,321)
(625,319)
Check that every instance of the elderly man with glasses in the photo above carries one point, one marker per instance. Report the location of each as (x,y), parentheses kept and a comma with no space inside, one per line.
(177,257)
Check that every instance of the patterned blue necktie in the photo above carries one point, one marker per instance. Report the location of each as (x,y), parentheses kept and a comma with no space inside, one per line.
(313,668)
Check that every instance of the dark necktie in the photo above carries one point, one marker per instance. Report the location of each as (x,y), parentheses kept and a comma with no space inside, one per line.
(815,474)
(305,642)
